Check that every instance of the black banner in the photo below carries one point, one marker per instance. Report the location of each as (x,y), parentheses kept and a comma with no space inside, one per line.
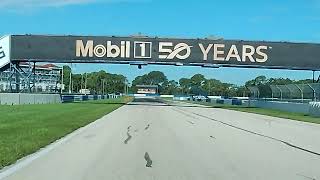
(102,49)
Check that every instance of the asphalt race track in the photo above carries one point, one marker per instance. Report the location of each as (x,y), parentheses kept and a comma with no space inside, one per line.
(149,139)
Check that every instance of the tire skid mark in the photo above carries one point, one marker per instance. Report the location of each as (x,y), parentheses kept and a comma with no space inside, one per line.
(255,133)
(188,115)
(147,127)
(89,136)
(184,113)
(148,159)
(129,136)
(190,122)
(307,177)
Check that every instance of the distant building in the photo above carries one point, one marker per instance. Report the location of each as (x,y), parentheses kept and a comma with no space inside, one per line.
(46,78)
(147,89)
(84,91)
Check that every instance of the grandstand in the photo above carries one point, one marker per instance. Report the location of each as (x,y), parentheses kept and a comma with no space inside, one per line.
(43,78)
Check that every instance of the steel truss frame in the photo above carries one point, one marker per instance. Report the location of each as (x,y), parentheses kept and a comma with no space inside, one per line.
(24,79)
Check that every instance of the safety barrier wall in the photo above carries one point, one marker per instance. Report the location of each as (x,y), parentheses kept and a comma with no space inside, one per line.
(312,108)
(78,98)
(25,98)
(147,95)
(277,105)
(283,106)
(180,98)
(218,101)
(167,96)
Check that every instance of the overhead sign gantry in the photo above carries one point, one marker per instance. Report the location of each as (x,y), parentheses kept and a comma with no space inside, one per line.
(167,51)
(4,51)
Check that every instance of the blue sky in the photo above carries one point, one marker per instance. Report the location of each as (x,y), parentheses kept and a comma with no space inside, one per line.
(272,20)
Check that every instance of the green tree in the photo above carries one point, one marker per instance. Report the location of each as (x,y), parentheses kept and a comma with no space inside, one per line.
(304,81)
(76,82)
(279,81)
(66,77)
(215,87)
(115,83)
(185,85)
(170,87)
(260,80)
(198,80)
(96,82)
(152,78)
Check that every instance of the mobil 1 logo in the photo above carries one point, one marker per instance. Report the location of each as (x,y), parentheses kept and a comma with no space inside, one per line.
(142,49)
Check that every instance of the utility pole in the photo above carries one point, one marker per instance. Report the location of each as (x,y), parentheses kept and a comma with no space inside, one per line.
(34,77)
(85,85)
(102,86)
(104,83)
(81,81)
(85,82)
(209,88)
(71,86)
(128,88)
(70,82)
(61,88)
(313,76)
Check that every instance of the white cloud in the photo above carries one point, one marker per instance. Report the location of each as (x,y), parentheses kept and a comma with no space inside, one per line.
(51,3)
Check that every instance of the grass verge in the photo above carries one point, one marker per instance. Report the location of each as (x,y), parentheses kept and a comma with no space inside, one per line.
(263,111)
(24,129)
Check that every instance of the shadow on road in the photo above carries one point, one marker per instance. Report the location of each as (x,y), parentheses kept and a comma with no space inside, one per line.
(159,102)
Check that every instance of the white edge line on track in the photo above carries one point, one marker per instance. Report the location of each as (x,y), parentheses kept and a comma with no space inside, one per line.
(23,162)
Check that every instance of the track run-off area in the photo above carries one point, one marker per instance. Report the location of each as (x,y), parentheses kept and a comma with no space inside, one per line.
(151,138)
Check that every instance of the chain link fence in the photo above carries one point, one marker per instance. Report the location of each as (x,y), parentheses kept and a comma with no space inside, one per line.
(302,93)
